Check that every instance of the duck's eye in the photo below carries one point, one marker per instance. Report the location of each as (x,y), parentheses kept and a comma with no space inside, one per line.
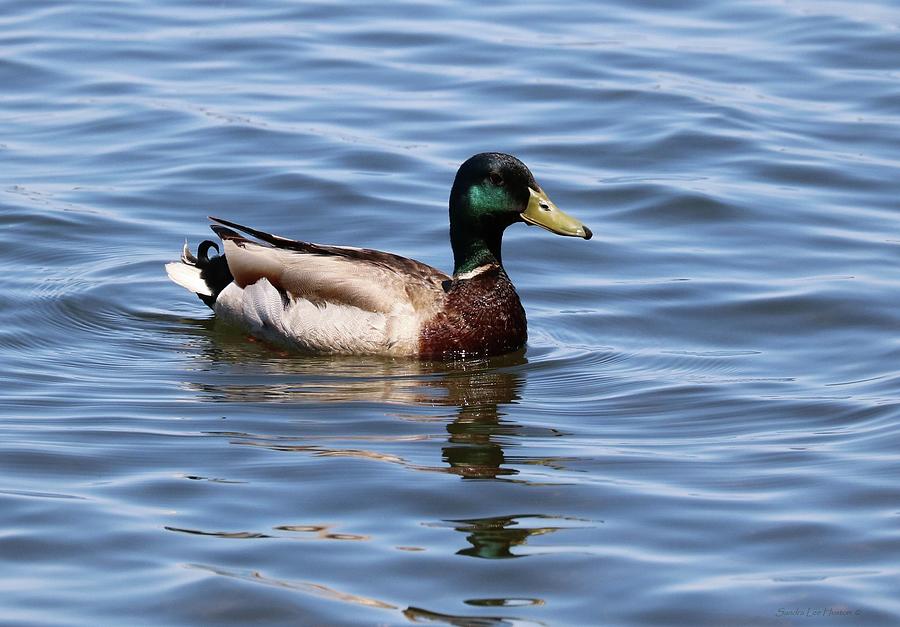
(495,178)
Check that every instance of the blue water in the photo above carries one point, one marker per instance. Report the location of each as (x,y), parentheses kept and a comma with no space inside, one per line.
(703,430)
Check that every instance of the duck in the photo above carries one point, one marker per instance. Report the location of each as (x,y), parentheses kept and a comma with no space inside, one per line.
(325,299)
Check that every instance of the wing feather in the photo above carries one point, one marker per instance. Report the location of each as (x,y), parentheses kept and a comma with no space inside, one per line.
(369,279)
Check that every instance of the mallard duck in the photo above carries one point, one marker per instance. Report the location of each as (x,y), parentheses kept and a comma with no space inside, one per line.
(342,300)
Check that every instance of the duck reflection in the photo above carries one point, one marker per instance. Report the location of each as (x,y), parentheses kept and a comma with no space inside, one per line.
(224,367)
(420,615)
(494,538)
(473,450)
(235,370)
(497,536)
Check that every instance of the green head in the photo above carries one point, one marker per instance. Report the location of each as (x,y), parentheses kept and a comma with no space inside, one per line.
(491,191)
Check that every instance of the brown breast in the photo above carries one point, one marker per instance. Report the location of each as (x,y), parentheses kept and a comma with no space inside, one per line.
(481,316)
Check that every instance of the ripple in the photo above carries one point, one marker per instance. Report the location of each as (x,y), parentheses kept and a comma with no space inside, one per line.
(503,602)
(307,587)
(238,535)
(39,495)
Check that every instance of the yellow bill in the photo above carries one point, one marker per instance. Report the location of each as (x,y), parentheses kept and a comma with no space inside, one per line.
(542,212)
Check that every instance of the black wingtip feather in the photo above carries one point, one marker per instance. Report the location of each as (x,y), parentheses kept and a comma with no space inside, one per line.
(226,233)
(275,240)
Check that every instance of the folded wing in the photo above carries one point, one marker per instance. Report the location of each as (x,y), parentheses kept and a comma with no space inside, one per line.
(368,279)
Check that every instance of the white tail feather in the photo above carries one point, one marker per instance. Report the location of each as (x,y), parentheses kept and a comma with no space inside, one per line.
(188,277)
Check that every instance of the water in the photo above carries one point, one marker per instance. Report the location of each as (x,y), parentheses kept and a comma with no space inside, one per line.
(703,429)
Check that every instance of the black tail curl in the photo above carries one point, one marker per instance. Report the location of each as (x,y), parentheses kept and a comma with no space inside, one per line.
(214,271)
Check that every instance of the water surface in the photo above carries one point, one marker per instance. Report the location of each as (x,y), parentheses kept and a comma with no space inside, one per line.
(702,430)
